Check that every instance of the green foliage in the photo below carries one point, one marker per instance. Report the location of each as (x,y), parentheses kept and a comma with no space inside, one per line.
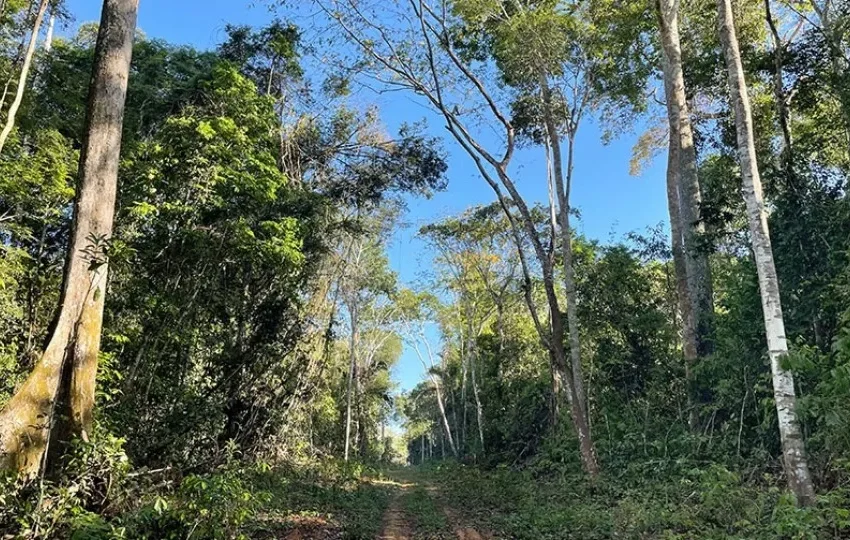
(428,518)
(249,276)
(94,477)
(675,502)
(210,506)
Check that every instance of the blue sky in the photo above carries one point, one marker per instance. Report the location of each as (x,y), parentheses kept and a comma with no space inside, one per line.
(611,201)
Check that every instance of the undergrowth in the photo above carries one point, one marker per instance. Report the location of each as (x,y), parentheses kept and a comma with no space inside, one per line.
(99,497)
(679,501)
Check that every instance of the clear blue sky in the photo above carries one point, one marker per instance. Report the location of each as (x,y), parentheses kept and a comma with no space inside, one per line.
(611,202)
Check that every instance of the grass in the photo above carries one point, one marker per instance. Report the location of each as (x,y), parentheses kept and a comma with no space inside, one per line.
(706,503)
(426,516)
(346,507)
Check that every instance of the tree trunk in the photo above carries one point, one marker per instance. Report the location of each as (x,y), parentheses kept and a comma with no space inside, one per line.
(578,401)
(22,79)
(48,39)
(471,356)
(691,226)
(668,24)
(793,447)
(70,357)
(479,411)
(464,362)
(352,375)
(362,427)
(442,407)
(442,446)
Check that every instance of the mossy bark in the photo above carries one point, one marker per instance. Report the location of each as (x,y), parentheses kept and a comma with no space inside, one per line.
(60,390)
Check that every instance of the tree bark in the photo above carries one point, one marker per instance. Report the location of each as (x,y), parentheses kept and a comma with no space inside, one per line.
(464,362)
(479,410)
(22,79)
(352,375)
(472,356)
(668,25)
(70,358)
(691,225)
(48,39)
(793,447)
(469,347)
(578,400)
(442,407)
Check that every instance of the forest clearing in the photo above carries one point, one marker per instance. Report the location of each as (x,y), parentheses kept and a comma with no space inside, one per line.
(425,269)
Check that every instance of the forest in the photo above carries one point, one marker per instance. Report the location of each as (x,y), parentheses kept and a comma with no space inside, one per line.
(227,310)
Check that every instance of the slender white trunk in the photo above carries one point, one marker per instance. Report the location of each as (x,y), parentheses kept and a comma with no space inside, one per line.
(464,362)
(437,388)
(48,39)
(479,410)
(22,80)
(352,374)
(442,407)
(562,179)
(793,448)
(471,356)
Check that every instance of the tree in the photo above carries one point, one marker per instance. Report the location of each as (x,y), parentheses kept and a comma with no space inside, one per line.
(12,113)
(793,447)
(693,273)
(434,76)
(415,310)
(61,386)
(476,252)
(366,284)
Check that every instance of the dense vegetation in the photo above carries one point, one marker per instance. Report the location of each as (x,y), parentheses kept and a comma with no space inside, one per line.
(215,360)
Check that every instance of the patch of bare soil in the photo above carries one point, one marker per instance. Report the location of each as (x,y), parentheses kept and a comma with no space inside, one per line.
(396,523)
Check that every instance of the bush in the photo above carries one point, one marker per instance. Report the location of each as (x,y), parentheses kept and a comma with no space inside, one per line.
(92,481)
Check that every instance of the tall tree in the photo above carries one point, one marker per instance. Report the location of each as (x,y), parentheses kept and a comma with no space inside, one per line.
(415,309)
(61,387)
(793,447)
(442,74)
(684,200)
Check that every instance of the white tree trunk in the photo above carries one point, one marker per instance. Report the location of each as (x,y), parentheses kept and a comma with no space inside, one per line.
(48,39)
(22,80)
(352,374)
(479,410)
(442,406)
(471,356)
(562,180)
(793,448)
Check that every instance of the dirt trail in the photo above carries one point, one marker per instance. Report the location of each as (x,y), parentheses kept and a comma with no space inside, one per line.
(399,525)
(462,533)
(396,523)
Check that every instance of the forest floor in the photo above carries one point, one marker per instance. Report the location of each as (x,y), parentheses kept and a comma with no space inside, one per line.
(454,501)
(419,509)
(397,504)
